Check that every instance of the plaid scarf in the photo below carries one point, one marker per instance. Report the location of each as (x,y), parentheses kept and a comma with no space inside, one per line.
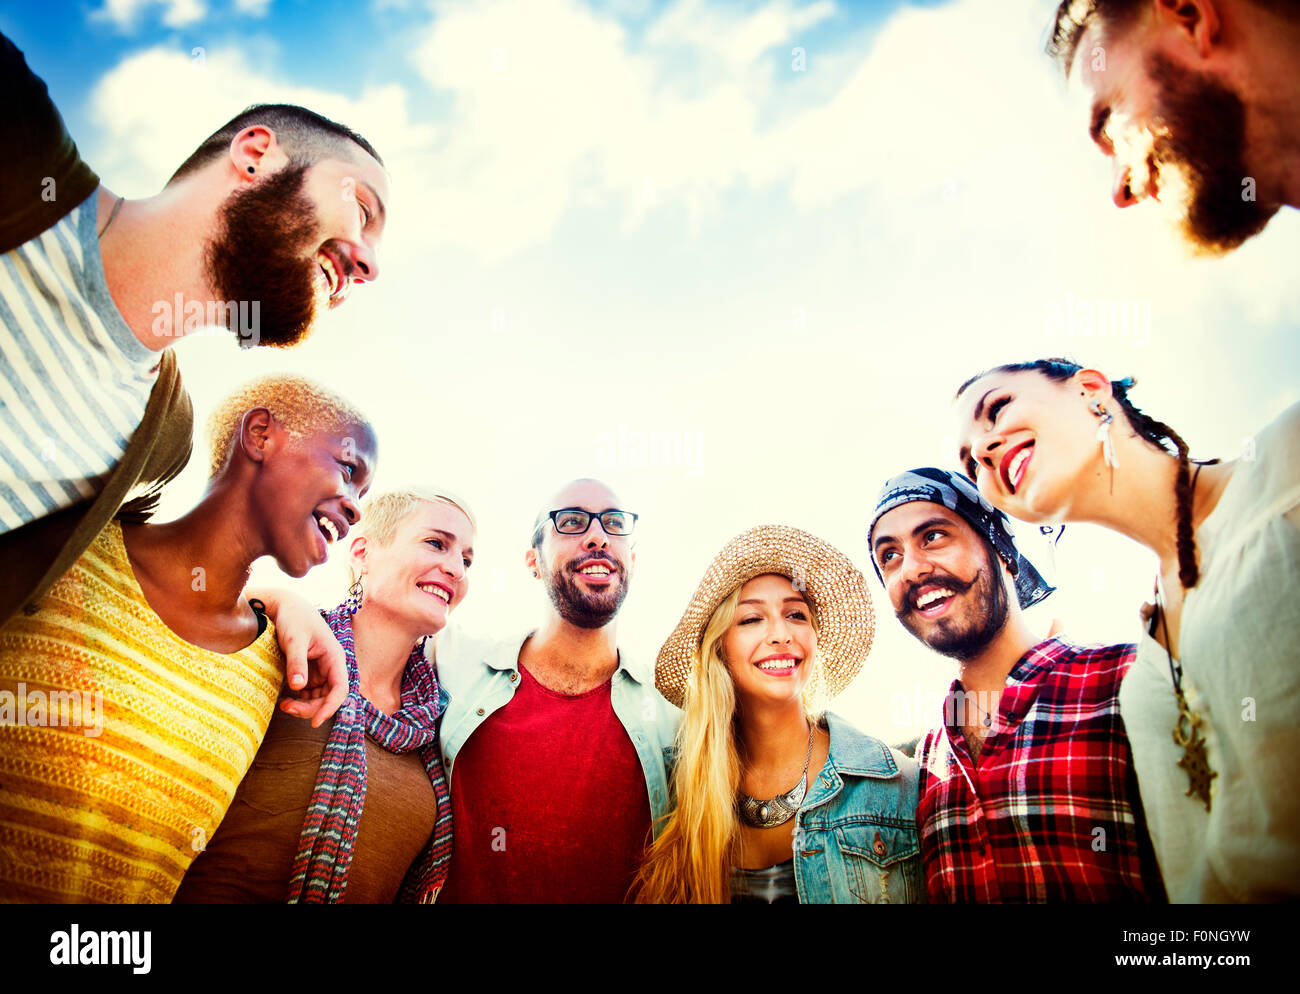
(320,871)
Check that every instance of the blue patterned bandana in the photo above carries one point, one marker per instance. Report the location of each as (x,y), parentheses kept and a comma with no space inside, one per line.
(957,493)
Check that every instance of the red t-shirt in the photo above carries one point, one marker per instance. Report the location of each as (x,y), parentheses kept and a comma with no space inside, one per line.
(549,803)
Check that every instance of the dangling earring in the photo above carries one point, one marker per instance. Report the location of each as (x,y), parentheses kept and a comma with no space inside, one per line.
(1103,432)
(352,603)
(1053,535)
(1103,436)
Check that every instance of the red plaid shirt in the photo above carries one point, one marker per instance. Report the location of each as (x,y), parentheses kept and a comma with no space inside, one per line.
(1051,812)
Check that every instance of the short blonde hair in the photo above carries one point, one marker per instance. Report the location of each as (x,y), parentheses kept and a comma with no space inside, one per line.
(382,513)
(299,405)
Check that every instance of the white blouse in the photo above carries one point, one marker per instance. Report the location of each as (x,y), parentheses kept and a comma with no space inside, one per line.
(1240,645)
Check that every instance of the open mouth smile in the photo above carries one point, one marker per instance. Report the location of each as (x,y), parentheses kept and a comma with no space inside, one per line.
(782,665)
(337,282)
(438,590)
(932,600)
(599,571)
(1013,465)
(331,527)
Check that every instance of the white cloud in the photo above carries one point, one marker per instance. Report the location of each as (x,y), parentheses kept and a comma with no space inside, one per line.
(554,104)
(157,105)
(737,38)
(176,13)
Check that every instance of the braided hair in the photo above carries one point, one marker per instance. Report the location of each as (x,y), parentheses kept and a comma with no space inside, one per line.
(1155,432)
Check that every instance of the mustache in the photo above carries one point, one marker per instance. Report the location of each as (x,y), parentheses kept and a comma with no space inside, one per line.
(596,557)
(935,579)
(342,257)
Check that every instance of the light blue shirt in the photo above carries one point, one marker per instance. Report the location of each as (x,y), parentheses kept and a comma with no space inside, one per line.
(855,838)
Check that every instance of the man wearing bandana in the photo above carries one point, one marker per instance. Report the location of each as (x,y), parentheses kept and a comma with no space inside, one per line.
(1027,789)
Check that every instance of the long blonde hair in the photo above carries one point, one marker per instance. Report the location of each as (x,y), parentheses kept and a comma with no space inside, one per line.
(690,861)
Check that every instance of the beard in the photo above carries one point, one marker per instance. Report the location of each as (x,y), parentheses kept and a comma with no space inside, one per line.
(962,635)
(1201,144)
(585,608)
(263,253)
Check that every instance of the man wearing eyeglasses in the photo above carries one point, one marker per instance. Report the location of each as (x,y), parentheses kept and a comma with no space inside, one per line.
(555,743)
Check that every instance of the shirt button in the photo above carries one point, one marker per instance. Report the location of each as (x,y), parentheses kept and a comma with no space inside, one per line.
(479,712)
(513,678)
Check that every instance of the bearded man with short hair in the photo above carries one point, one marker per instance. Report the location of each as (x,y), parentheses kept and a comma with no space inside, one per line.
(266,225)
(555,742)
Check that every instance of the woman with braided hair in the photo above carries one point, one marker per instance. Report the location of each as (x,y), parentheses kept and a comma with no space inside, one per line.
(1212,701)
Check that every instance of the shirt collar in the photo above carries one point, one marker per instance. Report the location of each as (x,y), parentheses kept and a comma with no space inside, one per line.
(857,754)
(1040,659)
(1037,660)
(505,657)
(1020,687)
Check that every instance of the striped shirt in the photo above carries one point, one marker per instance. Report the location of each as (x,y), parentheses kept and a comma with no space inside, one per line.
(1051,811)
(74,380)
(108,795)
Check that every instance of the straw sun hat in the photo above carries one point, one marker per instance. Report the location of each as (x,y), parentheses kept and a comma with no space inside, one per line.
(834,587)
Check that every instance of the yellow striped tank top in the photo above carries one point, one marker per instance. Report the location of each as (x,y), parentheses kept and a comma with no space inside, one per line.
(121,744)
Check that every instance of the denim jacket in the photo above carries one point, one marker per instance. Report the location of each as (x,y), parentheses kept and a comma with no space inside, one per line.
(855,838)
(478,677)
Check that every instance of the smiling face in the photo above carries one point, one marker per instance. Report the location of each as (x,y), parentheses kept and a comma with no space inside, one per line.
(296,240)
(309,489)
(1029,442)
(586,576)
(350,199)
(769,646)
(419,576)
(1174,135)
(946,584)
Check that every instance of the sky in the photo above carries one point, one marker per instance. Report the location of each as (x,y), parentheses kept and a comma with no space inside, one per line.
(732,258)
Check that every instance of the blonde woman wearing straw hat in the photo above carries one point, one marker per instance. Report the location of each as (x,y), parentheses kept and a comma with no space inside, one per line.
(776,801)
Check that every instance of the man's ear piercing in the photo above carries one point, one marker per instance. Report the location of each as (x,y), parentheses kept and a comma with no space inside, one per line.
(250,169)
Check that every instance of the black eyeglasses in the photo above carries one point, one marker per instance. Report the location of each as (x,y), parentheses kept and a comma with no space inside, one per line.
(576,521)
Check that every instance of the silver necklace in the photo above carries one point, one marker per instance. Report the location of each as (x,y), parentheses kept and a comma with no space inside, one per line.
(783,807)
